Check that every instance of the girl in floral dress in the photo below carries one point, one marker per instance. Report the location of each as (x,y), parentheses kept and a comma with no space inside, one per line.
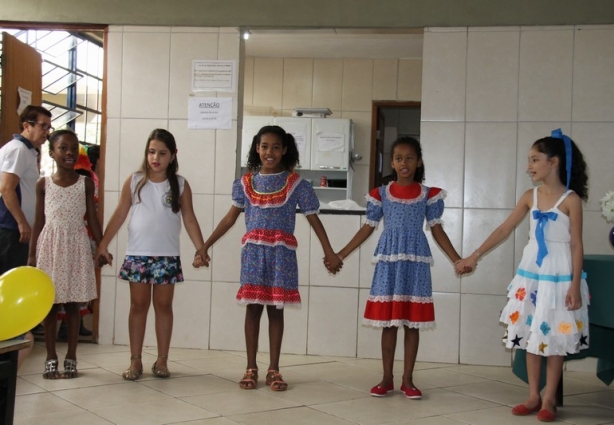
(547,311)
(159,199)
(269,195)
(61,245)
(401,294)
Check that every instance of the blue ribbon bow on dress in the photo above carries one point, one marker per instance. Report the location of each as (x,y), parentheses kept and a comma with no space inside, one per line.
(542,218)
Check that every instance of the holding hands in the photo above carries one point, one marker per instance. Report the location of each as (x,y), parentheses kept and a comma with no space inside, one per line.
(333,262)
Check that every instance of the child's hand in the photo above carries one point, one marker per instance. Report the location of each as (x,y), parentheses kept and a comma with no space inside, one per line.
(199,258)
(104,257)
(102,260)
(573,300)
(465,265)
(333,263)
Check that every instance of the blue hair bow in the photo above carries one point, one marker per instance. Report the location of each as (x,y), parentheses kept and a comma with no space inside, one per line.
(558,134)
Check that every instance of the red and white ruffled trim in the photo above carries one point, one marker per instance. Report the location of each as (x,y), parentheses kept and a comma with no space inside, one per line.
(267,295)
(272,199)
(270,237)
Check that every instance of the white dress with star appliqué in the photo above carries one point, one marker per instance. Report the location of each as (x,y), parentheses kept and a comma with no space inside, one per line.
(536,316)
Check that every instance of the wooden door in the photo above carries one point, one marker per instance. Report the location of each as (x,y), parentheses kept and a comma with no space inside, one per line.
(21,67)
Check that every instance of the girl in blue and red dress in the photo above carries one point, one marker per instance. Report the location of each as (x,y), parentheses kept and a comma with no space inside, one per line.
(401,292)
(269,194)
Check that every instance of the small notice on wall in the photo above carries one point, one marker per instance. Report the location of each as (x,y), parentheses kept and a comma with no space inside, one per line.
(25,99)
(210,113)
(210,75)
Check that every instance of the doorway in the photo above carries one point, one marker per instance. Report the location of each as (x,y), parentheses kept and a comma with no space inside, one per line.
(389,121)
(71,62)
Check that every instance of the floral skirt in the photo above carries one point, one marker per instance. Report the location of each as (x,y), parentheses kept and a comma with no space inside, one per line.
(153,270)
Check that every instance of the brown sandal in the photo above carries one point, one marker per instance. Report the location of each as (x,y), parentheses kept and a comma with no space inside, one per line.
(275,381)
(160,372)
(250,380)
(133,374)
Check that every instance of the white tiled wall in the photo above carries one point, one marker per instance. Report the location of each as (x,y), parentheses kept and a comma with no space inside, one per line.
(346,86)
(486,94)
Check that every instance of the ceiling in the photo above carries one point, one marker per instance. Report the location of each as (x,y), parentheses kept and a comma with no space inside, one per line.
(336,43)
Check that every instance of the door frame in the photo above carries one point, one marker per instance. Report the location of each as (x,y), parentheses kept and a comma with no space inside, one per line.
(377,105)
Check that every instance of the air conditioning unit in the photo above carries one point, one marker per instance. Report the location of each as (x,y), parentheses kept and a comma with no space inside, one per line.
(311,112)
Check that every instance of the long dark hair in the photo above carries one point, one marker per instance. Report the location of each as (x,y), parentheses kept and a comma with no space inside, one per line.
(167,138)
(289,160)
(415,144)
(552,147)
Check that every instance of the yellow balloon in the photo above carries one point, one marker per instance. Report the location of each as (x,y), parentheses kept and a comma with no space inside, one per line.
(26,297)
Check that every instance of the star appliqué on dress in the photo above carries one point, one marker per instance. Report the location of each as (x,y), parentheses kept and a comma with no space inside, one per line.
(516,341)
(542,347)
(583,340)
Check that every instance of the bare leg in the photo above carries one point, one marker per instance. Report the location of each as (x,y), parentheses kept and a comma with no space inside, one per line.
(163,307)
(534,366)
(253,314)
(554,369)
(389,345)
(140,299)
(50,323)
(411,342)
(276,333)
(72,323)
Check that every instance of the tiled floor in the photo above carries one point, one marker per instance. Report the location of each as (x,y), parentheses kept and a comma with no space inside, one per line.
(323,390)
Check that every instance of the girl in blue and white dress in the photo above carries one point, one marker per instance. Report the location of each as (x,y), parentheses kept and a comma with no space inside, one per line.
(401,293)
(269,195)
(547,311)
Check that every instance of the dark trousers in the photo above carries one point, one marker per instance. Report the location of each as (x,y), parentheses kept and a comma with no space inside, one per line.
(12,252)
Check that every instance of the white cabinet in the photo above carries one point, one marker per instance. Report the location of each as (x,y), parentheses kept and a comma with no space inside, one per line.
(331,145)
(300,128)
(324,146)
(251,126)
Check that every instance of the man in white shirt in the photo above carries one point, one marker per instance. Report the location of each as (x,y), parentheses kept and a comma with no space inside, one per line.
(18,175)
(19,172)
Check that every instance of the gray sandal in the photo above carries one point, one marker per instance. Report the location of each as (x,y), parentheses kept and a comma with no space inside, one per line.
(51,369)
(70,369)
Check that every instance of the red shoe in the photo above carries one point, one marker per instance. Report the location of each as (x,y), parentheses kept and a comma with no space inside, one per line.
(546,415)
(381,391)
(411,392)
(522,410)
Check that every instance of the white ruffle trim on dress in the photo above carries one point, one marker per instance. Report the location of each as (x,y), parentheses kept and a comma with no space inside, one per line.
(398,324)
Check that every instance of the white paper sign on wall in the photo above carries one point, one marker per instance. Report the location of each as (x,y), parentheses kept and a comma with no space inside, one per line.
(210,113)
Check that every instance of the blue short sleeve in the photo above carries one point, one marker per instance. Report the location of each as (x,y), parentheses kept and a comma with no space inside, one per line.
(435,206)
(308,202)
(238,194)
(375,210)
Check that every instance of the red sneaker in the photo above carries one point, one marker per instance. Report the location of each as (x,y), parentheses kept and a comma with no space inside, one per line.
(381,391)
(411,392)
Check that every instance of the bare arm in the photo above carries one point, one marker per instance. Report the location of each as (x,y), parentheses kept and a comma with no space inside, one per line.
(362,235)
(442,239)
(191,224)
(116,221)
(223,226)
(8,189)
(500,233)
(90,205)
(573,301)
(39,220)
(332,261)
